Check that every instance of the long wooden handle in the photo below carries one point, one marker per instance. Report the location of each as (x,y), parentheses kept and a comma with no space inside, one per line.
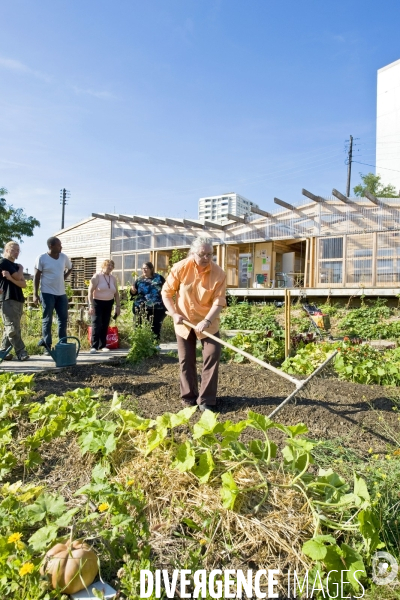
(247,355)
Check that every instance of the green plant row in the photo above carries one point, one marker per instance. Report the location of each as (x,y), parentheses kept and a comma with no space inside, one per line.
(356,363)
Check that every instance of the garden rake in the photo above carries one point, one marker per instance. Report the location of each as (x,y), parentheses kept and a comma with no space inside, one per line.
(301,384)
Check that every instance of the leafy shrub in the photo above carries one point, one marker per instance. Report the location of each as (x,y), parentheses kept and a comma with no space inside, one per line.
(364,364)
(356,363)
(269,349)
(143,341)
(329,309)
(246,316)
(168,330)
(28,290)
(307,359)
(366,321)
(300,324)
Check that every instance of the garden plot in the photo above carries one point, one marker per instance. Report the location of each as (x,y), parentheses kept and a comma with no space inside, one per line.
(106,453)
(339,409)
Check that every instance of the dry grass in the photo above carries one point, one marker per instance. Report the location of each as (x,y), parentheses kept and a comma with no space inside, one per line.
(240,539)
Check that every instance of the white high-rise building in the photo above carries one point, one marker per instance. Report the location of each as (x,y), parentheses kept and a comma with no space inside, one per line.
(388,125)
(216,208)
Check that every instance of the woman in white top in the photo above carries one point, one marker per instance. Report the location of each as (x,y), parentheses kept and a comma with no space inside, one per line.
(102,292)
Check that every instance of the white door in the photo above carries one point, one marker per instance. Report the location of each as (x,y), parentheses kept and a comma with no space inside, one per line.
(288,267)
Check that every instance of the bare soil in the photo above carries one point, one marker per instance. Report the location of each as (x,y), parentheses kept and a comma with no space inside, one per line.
(361,415)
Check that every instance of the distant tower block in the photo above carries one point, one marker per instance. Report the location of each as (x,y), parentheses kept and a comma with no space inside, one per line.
(215,208)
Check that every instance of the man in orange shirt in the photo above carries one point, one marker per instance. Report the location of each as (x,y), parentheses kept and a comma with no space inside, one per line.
(199,287)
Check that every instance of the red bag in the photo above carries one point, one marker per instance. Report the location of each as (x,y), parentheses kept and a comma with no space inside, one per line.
(112,339)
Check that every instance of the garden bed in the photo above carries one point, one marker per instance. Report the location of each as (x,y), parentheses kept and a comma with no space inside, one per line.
(342,409)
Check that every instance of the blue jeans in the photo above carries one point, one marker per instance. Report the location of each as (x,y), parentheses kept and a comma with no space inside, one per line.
(51,303)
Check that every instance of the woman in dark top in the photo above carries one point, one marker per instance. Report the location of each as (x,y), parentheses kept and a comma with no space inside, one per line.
(147,293)
(12,301)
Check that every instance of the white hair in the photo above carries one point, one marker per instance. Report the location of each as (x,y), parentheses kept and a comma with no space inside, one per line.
(198,243)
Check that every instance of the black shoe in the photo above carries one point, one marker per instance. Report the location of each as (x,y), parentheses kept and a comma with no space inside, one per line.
(188,403)
(7,356)
(204,407)
(23,355)
(41,343)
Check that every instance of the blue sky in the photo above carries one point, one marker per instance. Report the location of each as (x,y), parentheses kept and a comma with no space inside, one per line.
(143,107)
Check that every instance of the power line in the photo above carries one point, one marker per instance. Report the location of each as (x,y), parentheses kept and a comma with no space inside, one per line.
(376,166)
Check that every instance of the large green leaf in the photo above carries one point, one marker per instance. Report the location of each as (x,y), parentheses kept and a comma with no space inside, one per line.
(354,563)
(361,490)
(316,548)
(205,425)
(183,416)
(260,448)
(45,505)
(205,467)
(185,457)
(155,438)
(229,490)
(43,537)
(259,422)
(133,421)
(7,462)
(369,528)
(295,430)
(66,518)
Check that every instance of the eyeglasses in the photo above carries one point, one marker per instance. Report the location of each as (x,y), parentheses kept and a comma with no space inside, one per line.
(205,255)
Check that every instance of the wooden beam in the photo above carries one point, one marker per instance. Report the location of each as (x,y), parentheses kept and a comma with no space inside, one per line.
(235,218)
(311,196)
(111,217)
(213,225)
(375,200)
(189,223)
(343,198)
(173,222)
(143,220)
(264,213)
(372,198)
(285,204)
(125,218)
(156,221)
(299,211)
(103,216)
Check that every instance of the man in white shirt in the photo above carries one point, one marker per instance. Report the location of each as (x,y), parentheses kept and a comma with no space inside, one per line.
(51,270)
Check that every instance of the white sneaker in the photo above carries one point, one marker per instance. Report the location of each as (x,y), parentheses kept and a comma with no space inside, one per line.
(92,350)
(105,349)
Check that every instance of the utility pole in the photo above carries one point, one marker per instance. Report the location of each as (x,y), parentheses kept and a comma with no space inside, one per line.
(64,195)
(349,161)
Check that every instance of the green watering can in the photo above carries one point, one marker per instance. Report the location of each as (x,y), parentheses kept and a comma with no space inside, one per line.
(3,353)
(64,354)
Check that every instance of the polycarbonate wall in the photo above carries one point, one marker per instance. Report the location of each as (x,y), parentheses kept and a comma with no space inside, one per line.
(370,259)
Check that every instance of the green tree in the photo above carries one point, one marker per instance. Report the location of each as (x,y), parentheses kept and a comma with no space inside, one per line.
(176,256)
(372,183)
(14,224)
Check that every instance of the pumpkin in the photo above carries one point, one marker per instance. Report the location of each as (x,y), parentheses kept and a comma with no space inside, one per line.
(71,566)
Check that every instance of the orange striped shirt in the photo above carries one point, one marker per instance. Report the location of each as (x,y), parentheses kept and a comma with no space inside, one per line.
(196,292)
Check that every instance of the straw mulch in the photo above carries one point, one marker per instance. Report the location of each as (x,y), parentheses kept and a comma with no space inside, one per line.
(244,539)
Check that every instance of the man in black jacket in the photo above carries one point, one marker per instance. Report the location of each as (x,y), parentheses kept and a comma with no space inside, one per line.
(12,300)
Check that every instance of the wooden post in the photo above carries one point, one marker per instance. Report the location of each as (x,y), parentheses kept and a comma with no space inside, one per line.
(287,323)
(374,257)
(306,277)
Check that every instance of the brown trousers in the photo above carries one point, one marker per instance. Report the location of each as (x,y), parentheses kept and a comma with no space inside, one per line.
(209,375)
